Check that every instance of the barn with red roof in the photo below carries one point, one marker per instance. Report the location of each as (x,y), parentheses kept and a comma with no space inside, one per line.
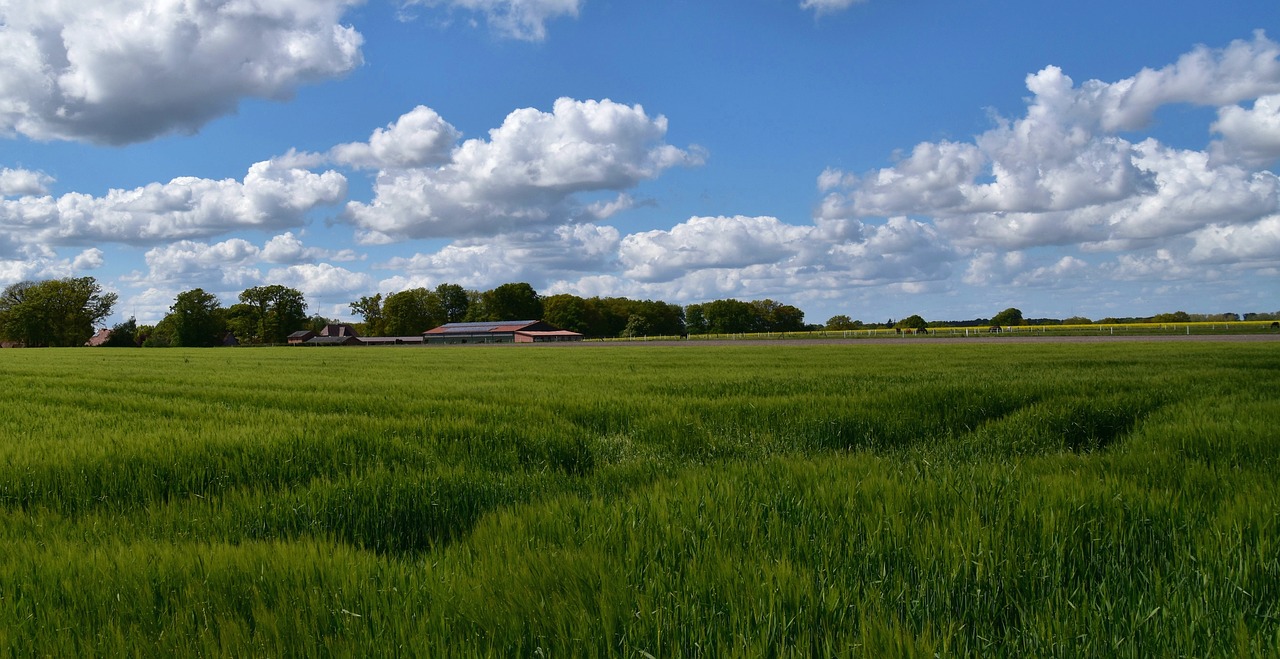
(505,331)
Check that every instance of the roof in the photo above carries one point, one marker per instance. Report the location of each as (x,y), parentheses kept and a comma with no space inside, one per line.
(338,329)
(302,334)
(480,328)
(100,338)
(552,333)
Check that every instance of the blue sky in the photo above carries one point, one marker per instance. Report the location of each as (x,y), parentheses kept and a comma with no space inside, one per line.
(876,159)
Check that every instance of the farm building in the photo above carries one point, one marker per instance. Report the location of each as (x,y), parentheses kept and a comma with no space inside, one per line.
(333,334)
(506,331)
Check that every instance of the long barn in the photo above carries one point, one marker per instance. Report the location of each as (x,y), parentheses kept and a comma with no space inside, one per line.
(506,331)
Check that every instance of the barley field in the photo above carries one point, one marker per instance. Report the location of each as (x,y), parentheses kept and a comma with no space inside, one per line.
(932,499)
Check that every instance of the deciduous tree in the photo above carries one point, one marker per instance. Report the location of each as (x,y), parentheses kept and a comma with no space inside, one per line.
(455,302)
(280,312)
(913,322)
(517,301)
(569,312)
(412,312)
(123,335)
(842,322)
(369,307)
(55,312)
(196,319)
(1009,317)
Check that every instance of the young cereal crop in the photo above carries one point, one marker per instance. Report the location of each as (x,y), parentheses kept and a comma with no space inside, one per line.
(749,500)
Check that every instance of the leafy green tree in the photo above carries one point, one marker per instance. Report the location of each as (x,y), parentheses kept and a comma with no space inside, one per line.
(197,320)
(475,307)
(55,312)
(123,335)
(412,312)
(569,312)
(516,301)
(159,335)
(280,311)
(637,325)
(1008,317)
(611,315)
(369,307)
(842,322)
(771,316)
(455,302)
(242,321)
(913,322)
(695,319)
(1077,320)
(729,317)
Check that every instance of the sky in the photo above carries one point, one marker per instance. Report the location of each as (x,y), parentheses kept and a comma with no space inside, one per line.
(868,158)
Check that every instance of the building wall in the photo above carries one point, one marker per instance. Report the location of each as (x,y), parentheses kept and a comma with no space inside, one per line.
(486,337)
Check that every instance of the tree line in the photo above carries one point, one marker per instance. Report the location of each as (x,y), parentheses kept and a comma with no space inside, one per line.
(1012,317)
(65,312)
(263,315)
(412,311)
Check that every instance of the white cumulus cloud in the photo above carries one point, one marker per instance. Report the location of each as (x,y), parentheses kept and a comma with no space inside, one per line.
(320,280)
(420,138)
(269,197)
(1062,175)
(1251,135)
(231,263)
(121,71)
(525,175)
(189,263)
(22,182)
(1256,242)
(709,242)
(527,256)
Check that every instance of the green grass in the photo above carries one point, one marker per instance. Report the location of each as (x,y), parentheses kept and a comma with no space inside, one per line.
(756,500)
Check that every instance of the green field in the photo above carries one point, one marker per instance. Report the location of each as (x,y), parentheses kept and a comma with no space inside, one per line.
(756,500)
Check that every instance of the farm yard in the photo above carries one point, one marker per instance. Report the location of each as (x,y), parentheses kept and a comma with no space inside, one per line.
(874,498)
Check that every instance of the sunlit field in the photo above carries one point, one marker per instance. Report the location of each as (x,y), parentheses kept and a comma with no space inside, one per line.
(750,500)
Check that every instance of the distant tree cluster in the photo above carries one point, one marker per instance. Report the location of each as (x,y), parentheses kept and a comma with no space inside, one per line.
(1012,317)
(738,317)
(417,310)
(264,315)
(614,317)
(55,312)
(64,312)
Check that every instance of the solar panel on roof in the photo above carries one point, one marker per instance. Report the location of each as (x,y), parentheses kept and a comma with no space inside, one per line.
(485,326)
